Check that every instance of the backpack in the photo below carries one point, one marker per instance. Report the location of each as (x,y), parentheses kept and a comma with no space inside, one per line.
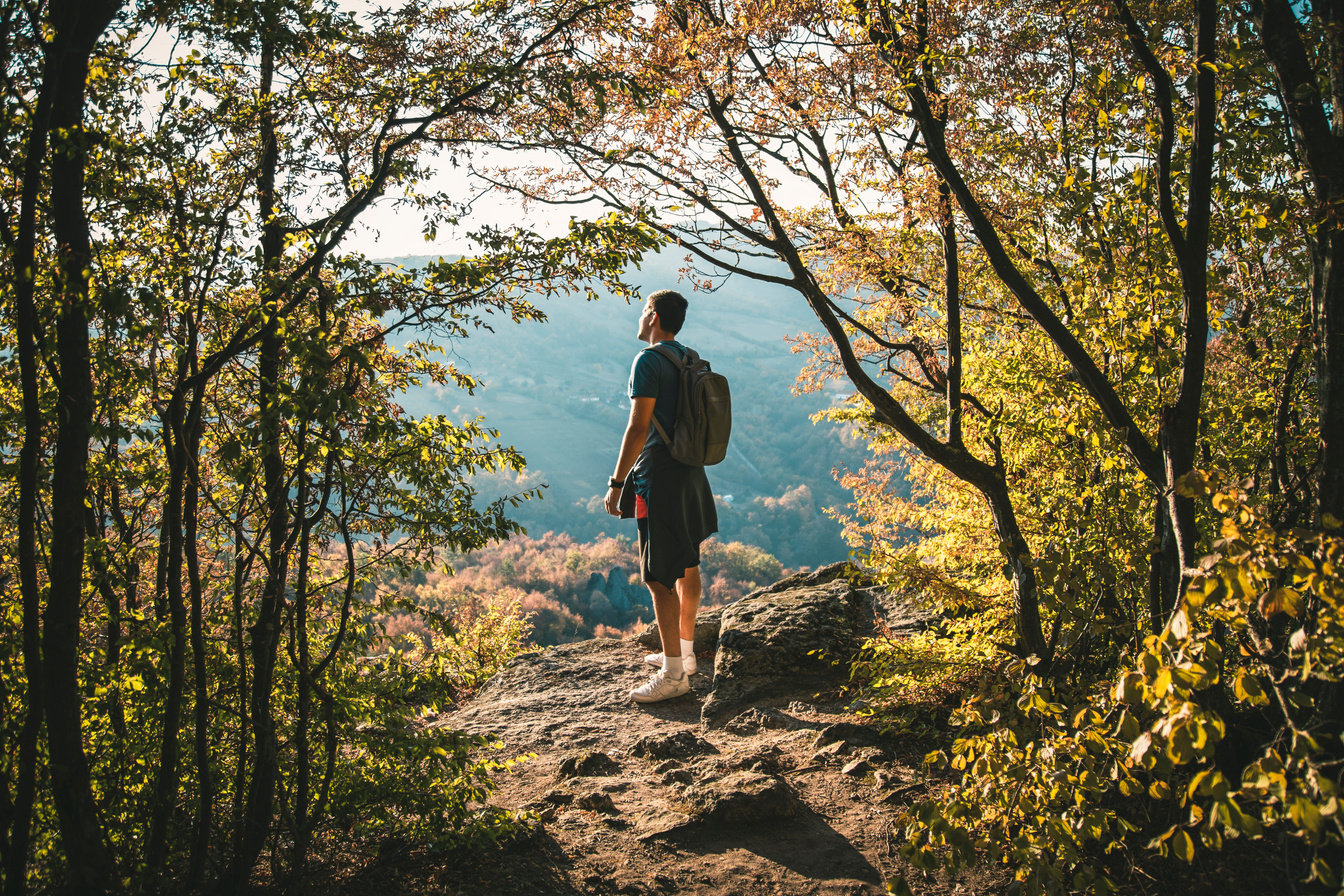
(704,411)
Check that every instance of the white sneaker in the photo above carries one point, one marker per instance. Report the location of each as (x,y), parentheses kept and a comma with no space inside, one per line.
(661,687)
(687,662)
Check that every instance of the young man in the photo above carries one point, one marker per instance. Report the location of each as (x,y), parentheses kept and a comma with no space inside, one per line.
(670,501)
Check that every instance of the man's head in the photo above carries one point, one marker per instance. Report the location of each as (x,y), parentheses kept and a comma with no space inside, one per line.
(670,307)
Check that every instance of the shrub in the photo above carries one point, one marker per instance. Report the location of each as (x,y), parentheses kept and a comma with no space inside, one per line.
(1224,726)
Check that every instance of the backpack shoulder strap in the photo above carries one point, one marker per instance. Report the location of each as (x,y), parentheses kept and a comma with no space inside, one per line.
(671,355)
(680,363)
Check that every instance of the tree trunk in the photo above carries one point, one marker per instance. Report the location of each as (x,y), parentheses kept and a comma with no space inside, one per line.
(303,760)
(265,632)
(25,331)
(953,457)
(166,782)
(205,805)
(1179,429)
(952,279)
(242,561)
(77,26)
(1318,129)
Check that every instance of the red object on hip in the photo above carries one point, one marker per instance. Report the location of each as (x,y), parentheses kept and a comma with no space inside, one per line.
(641,508)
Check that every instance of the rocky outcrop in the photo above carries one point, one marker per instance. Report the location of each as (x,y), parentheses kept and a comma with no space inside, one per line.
(777,643)
(742,797)
(760,772)
(771,648)
(792,637)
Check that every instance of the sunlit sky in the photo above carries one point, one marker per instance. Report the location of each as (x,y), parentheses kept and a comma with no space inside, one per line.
(388,231)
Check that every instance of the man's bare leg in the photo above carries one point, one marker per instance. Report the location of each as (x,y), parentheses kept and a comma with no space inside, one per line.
(672,680)
(687,597)
(666,610)
(689,592)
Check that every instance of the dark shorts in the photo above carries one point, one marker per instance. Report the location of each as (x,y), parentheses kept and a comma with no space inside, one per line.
(680,516)
(668,577)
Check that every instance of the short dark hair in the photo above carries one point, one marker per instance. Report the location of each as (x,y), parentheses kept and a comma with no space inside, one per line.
(670,306)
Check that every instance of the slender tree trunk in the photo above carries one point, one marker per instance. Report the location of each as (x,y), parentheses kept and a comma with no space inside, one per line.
(1180,426)
(1318,129)
(1157,604)
(25,330)
(241,566)
(205,806)
(1026,599)
(77,26)
(952,279)
(265,632)
(337,642)
(1330,374)
(101,566)
(303,760)
(166,782)
(114,634)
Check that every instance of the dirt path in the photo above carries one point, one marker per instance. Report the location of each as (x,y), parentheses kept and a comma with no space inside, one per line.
(643,800)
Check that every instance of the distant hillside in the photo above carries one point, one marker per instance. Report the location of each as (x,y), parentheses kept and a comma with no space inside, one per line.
(556,390)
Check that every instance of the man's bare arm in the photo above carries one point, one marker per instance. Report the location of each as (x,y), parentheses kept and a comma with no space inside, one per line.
(636,431)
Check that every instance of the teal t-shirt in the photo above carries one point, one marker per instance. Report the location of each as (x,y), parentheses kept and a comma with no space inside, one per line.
(654,376)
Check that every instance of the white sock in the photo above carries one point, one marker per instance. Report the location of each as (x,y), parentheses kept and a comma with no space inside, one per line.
(687,647)
(672,666)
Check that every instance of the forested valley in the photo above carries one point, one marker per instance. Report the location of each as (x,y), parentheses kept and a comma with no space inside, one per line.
(1072,275)
(556,391)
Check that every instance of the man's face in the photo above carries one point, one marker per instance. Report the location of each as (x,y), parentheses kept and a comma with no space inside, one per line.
(647,319)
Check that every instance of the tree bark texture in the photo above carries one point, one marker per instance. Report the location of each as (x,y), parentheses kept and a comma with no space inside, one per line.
(77,26)
(1318,129)
(265,631)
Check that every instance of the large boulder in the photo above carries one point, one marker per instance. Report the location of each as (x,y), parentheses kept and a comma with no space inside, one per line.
(797,635)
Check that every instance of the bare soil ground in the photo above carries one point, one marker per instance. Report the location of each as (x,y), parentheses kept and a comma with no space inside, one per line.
(649,802)
(793,798)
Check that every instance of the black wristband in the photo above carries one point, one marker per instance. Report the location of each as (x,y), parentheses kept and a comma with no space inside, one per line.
(613,482)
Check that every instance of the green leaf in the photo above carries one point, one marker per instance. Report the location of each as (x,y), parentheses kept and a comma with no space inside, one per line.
(1182,847)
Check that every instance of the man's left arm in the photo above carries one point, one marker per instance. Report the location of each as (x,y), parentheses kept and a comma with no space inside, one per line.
(636,432)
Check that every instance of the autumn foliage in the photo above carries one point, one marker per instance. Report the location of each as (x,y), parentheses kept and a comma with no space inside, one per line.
(569,591)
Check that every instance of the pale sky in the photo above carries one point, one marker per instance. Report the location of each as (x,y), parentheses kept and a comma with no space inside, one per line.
(388,231)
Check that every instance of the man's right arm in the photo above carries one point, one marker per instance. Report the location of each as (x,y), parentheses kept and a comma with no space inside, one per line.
(632,442)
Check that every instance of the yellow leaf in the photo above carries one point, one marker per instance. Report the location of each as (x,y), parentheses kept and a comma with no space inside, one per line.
(1128,689)
(1246,687)
(1162,683)
(1280,600)
(1183,847)
(1141,747)
(1305,814)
